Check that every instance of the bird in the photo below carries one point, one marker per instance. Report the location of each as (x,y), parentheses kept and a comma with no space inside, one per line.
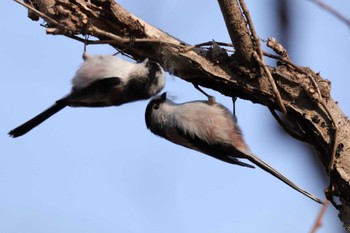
(209,128)
(102,81)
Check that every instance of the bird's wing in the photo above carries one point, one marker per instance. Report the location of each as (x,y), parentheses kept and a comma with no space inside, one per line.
(101,93)
(191,140)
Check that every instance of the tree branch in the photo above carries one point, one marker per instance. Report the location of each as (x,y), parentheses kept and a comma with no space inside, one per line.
(238,31)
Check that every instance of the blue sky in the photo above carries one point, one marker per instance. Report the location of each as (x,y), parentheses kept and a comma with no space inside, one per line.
(101,170)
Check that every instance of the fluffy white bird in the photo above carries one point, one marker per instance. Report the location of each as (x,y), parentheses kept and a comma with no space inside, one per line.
(101,81)
(209,128)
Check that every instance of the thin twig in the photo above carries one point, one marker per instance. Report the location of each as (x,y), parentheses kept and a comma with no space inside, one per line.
(273,84)
(318,221)
(254,35)
(120,40)
(88,42)
(260,57)
(323,103)
(291,132)
(332,11)
(297,68)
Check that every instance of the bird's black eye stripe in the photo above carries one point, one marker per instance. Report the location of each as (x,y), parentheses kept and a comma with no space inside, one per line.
(156,106)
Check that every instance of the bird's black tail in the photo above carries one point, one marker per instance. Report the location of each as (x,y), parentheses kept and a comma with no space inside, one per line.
(35,121)
(260,163)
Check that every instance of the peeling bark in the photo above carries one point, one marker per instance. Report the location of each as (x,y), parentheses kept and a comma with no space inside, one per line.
(236,76)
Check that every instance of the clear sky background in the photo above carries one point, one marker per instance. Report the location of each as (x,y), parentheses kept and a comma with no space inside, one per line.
(101,170)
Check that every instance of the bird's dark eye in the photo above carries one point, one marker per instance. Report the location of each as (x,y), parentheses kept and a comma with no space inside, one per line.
(156,106)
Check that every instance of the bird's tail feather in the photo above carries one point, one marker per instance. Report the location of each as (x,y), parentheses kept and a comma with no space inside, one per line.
(260,163)
(35,121)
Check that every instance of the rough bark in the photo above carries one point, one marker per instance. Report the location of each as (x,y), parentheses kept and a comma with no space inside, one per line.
(241,37)
(235,76)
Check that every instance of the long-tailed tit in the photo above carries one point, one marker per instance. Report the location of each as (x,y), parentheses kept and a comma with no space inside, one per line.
(209,128)
(101,81)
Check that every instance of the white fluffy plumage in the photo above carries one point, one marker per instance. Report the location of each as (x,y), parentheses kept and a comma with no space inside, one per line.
(102,81)
(97,67)
(209,128)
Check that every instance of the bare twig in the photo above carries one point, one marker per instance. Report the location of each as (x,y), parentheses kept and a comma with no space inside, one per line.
(291,132)
(318,221)
(332,11)
(260,57)
(323,103)
(119,40)
(273,84)
(254,35)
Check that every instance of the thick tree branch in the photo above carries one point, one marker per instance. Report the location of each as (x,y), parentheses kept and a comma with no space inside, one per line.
(238,31)
(108,21)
